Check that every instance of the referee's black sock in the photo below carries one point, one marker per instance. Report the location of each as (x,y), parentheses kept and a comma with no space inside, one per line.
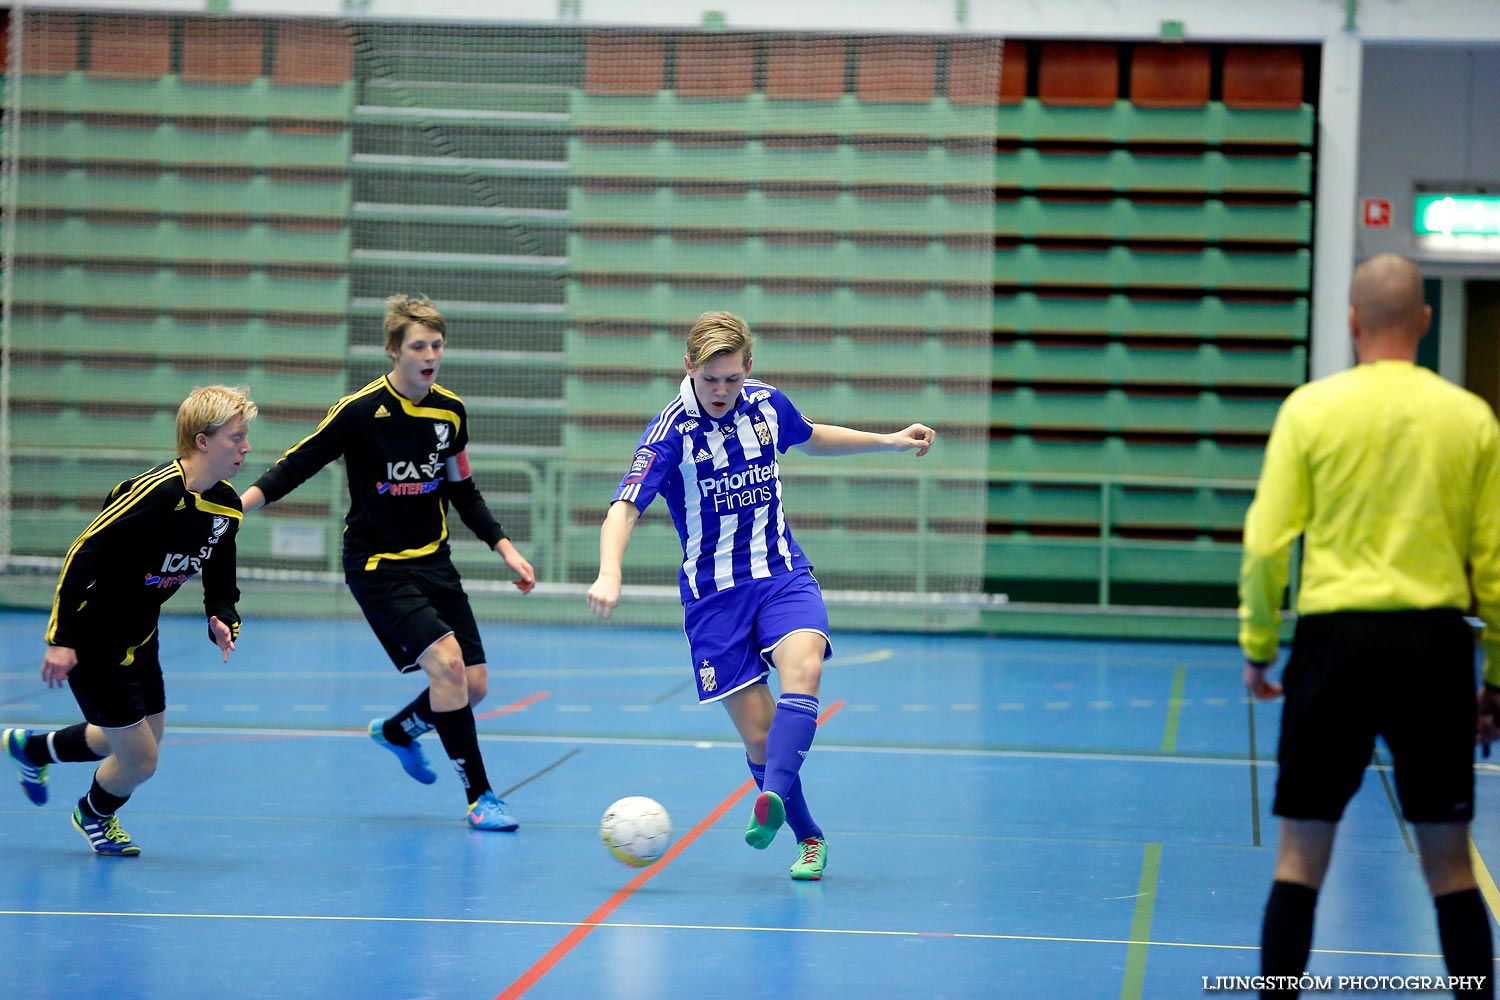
(99,803)
(65,746)
(416,719)
(461,743)
(1286,933)
(1464,930)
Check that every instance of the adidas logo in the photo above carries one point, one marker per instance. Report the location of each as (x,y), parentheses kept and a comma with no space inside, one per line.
(702,456)
(181,503)
(381,411)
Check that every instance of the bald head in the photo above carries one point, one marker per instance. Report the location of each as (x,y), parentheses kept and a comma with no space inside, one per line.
(1386,297)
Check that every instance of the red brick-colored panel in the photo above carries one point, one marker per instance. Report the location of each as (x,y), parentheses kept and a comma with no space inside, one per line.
(1169,76)
(1014,64)
(625,65)
(974,67)
(806,69)
(130,48)
(903,72)
(49,43)
(1263,76)
(311,54)
(1079,74)
(715,66)
(215,51)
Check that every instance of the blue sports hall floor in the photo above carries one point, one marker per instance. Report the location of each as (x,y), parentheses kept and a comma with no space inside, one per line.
(1006,818)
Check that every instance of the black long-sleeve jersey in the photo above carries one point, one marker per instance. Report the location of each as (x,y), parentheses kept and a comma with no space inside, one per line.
(153,535)
(396,455)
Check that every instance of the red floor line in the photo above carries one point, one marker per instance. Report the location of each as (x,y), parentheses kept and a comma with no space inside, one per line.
(583,929)
(514,706)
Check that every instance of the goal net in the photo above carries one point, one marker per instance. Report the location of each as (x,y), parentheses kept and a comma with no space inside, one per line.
(191,200)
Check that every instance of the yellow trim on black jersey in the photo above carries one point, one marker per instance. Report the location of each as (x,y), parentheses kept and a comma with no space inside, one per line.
(139,490)
(130,653)
(335,410)
(213,508)
(425,550)
(412,409)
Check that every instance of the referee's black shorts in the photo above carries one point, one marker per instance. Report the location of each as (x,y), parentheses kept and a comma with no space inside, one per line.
(1406,676)
(411,607)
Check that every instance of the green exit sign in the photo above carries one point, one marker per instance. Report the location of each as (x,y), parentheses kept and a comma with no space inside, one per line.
(1457,215)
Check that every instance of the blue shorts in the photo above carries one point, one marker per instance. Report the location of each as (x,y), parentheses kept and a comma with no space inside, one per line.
(732,633)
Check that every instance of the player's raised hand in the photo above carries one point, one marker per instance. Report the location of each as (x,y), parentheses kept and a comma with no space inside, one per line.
(222,635)
(57,663)
(525,575)
(918,436)
(604,595)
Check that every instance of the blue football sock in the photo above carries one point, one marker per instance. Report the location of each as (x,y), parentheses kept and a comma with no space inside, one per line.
(798,816)
(792,730)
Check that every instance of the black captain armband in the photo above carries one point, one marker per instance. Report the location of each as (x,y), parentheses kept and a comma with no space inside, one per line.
(1261,665)
(1491,688)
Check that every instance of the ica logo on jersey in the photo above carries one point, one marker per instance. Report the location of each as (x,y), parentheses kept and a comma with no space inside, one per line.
(178,567)
(408,479)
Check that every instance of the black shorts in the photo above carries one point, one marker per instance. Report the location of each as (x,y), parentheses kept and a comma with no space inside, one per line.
(118,685)
(1406,676)
(410,608)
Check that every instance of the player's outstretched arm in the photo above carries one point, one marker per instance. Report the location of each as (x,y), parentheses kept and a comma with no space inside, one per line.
(252,499)
(614,537)
(831,439)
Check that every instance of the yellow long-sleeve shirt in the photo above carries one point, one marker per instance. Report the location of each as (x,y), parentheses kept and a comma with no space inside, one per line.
(1393,477)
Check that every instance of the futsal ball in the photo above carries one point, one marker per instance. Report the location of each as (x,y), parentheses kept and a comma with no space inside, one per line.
(637,830)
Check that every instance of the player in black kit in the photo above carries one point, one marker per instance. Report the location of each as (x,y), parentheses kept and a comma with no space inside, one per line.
(403,439)
(156,532)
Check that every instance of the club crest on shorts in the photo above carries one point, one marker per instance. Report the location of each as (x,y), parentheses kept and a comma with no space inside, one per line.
(706,678)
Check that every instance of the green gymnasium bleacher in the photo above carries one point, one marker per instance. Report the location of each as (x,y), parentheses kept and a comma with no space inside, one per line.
(182,218)
(1086,263)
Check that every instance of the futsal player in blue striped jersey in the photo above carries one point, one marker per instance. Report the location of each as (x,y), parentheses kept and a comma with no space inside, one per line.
(750,601)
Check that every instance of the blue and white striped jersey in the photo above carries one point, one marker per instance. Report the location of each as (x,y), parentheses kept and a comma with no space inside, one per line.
(722,484)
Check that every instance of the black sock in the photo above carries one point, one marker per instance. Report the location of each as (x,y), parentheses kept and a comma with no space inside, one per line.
(1286,933)
(416,719)
(1464,930)
(66,746)
(99,803)
(461,743)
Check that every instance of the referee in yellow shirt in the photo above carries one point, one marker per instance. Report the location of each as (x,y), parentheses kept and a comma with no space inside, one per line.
(1392,477)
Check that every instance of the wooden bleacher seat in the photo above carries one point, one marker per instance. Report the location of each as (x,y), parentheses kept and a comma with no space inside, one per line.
(625,65)
(130,48)
(806,69)
(715,66)
(220,51)
(1079,74)
(1169,76)
(312,54)
(1263,77)
(902,72)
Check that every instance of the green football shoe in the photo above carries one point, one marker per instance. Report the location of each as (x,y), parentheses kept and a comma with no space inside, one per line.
(812,856)
(765,820)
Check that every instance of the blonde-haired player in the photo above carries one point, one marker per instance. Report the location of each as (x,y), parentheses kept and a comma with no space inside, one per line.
(750,601)
(157,531)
